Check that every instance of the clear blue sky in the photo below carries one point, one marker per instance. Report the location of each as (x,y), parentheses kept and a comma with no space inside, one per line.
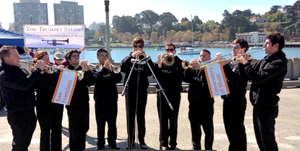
(205,9)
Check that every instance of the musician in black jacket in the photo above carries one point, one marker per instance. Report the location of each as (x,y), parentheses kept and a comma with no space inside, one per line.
(78,110)
(49,114)
(201,108)
(234,105)
(106,97)
(267,76)
(134,107)
(170,78)
(17,88)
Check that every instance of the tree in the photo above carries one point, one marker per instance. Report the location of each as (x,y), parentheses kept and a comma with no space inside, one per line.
(167,21)
(184,19)
(170,36)
(154,37)
(197,20)
(274,8)
(149,18)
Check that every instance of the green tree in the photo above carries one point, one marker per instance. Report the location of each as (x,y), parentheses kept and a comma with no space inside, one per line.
(149,18)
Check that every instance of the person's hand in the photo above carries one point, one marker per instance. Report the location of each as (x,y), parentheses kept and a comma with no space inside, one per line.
(40,64)
(159,60)
(26,49)
(84,64)
(107,64)
(242,60)
(194,63)
(222,62)
(136,53)
(61,66)
(81,49)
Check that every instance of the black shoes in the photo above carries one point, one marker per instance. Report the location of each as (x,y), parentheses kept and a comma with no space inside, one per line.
(114,146)
(173,148)
(144,146)
(99,147)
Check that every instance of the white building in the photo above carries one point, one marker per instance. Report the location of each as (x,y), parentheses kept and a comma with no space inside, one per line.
(252,37)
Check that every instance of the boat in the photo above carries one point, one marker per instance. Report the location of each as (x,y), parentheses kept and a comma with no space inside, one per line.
(255,48)
(187,50)
(160,48)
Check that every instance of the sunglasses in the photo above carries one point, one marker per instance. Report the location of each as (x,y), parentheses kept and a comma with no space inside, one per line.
(235,46)
(137,46)
(169,49)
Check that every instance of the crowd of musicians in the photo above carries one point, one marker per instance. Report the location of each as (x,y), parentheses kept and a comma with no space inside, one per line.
(28,94)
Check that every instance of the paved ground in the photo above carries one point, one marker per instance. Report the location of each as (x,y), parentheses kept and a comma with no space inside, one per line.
(287,126)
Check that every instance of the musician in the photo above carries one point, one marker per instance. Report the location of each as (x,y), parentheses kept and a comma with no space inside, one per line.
(78,110)
(201,104)
(267,76)
(49,114)
(17,88)
(57,57)
(170,78)
(131,97)
(106,97)
(234,105)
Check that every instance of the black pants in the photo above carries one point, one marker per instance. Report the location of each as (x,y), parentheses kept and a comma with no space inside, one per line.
(78,127)
(106,112)
(233,116)
(50,123)
(168,118)
(130,111)
(201,115)
(264,127)
(23,124)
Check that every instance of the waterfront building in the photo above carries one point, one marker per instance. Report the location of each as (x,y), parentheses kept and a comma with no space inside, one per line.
(253,37)
(29,12)
(68,13)
(258,19)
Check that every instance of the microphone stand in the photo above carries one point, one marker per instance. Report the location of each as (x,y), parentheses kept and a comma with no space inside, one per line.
(160,87)
(125,91)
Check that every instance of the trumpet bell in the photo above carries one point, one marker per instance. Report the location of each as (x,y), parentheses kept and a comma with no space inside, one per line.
(185,64)
(140,57)
(168,59)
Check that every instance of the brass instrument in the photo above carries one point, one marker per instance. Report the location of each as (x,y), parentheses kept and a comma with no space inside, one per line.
(99,67)
(186,64)
(168,59)
(55,42)
(141,58)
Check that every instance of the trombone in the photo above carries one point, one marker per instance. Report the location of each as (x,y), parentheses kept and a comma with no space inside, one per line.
(141,58)
(185,64)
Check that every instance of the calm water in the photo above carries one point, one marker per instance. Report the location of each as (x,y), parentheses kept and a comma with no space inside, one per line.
(119,53)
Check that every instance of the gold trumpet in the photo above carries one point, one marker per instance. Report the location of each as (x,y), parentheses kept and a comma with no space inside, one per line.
(168,59)
(185,64)
(99,67)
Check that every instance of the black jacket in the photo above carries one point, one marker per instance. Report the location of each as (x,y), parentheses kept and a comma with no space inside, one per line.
(236,84)
(267,77)
(105,87)
(170,77)
(45,91)
(126,66)
(198,89)
(80,96)
(17,87)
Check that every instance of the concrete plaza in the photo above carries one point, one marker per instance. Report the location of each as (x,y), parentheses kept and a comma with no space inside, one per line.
(287,126)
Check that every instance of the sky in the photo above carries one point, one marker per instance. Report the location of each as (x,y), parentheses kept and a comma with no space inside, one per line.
(94,10)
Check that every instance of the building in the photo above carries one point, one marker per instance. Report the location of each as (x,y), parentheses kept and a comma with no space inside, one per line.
(252,37)
(258,19)
(68,13)
(29,12)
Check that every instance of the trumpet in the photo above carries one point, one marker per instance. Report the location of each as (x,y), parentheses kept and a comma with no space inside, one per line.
(168,59)
(99,67)
(52,68)
(141,58)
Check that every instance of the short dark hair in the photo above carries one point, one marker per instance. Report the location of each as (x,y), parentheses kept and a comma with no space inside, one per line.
(205,50)
(138,40)
(276,37)
(243,43)
(170,44)
(4,51)
(69,54)
(101,50)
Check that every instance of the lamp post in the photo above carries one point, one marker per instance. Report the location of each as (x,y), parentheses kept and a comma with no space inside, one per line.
(106,3)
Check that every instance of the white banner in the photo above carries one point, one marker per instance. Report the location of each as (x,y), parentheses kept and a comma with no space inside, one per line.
(54,36)
(64,88)
(216,80)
